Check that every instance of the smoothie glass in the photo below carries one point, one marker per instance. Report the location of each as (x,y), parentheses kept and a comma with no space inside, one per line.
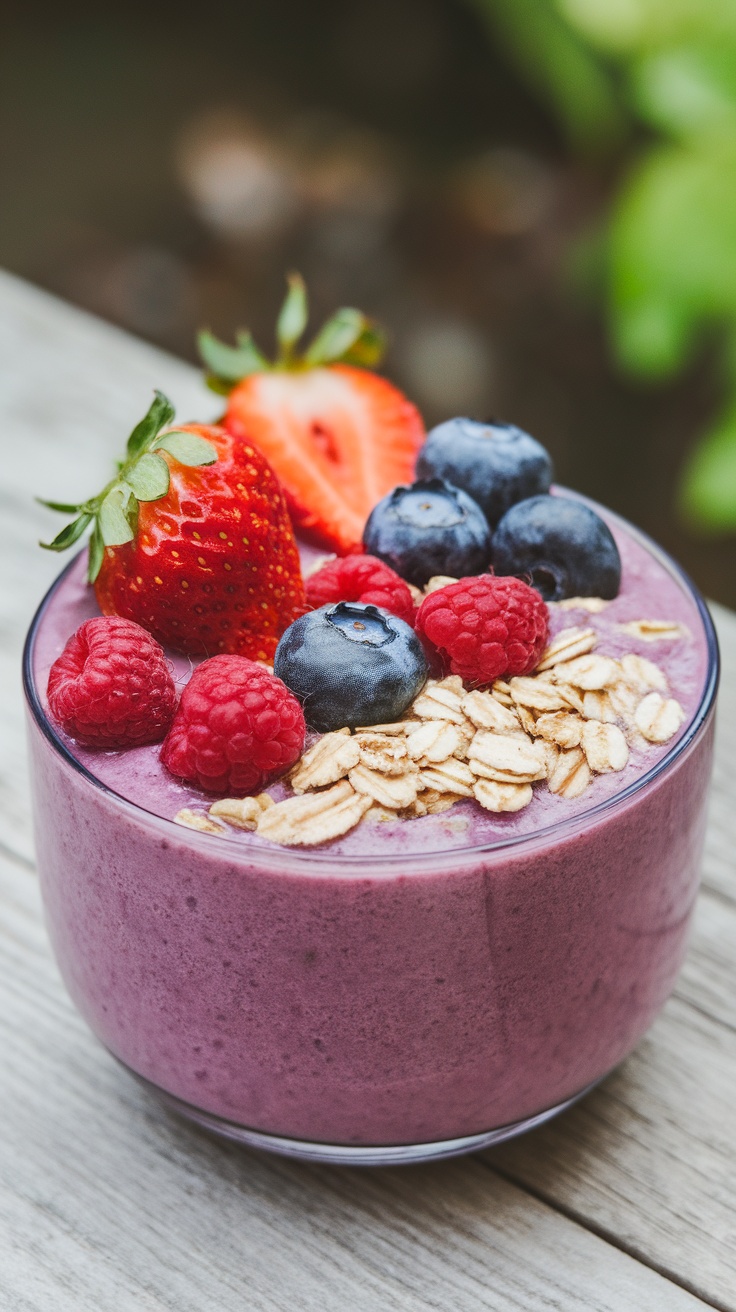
(373,1008)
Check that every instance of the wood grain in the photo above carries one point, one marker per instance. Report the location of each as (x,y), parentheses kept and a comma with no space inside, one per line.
(106,1202)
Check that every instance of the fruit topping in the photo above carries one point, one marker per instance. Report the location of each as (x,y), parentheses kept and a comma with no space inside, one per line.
(485,628)
(192,539)
(496,464)
(112,686)
(429,528)
(237,729)
(351,664)
(338,435)
(361,578)
(561,546)
(496,747)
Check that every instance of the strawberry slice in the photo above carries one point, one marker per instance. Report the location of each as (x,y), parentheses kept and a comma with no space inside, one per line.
(338,436)
(339,439)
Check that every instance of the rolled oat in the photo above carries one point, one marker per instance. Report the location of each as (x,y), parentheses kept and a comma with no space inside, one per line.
(195,820)
(329,760)
(571,774)
(605,747)
(502,797)
(567,645)
(314,817)
(656,719)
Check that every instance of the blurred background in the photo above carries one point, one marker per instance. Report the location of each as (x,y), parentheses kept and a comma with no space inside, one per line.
(536,197)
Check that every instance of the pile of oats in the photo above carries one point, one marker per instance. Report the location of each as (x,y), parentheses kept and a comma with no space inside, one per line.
(578,715)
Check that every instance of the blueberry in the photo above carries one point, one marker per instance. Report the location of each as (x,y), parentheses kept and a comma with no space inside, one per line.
(496,464)
(561,546)
(351,663)
(429,528)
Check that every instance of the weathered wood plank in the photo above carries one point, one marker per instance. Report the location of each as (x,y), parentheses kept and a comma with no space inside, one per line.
(107,1204)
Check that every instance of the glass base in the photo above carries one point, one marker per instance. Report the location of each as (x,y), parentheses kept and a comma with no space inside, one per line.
(354,1154)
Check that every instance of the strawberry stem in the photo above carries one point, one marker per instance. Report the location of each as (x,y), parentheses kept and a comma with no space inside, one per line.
(348,337)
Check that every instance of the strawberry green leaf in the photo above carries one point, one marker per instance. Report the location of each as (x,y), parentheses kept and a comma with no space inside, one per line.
(369,349)
(114,517)
(96,554)
(247,347)
(230,364)
(217,385)
(160,413)
(292,318)
(348,336)
(62,506)
(149,477)
(336,336)
(187,448)
(68,535)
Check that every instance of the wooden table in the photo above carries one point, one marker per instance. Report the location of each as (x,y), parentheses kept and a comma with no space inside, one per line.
(107,1203)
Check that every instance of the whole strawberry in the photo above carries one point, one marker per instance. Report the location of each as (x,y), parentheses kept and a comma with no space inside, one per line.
(192,540)
(236,730)
(338,435)
(112,686)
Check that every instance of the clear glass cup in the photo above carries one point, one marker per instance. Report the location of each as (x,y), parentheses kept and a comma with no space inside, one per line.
(372,1010)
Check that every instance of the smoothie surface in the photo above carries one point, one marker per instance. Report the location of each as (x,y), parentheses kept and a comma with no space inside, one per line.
(648,592)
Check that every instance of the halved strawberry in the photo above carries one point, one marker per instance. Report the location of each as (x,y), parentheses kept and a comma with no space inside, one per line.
(192,540)
(338,435)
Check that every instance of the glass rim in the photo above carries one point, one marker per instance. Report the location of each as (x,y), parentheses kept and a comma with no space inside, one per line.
(301,859)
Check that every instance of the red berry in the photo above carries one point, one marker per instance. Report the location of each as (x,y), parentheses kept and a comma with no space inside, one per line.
(213,565)
(485,628)
(112,686)
(236,730)
(361,578)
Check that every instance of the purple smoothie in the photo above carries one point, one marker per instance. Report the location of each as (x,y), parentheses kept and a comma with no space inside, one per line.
(412,982)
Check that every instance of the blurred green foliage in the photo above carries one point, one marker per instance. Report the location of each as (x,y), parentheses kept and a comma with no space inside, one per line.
(608,68)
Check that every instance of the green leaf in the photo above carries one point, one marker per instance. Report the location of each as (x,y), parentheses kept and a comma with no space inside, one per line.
(336,336)
(369,348)
(690,91)
(708,489)
(62,506)
(652,338)
(349,336)
(231,363)
(187,448)
(160,413)
(559,67)
(149,477)
(247,348)
(671,252)
(292,318)
(96,554)
(217,385)
(68,535)
(114,517)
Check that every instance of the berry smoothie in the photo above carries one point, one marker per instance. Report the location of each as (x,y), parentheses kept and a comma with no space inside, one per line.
(446,978)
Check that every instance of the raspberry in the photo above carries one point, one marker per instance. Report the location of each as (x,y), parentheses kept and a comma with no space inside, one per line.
(485,628)
(236,730)
(361,578)
(112,686)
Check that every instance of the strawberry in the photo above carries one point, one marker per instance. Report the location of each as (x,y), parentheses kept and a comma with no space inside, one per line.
(338,435)
(192,540)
